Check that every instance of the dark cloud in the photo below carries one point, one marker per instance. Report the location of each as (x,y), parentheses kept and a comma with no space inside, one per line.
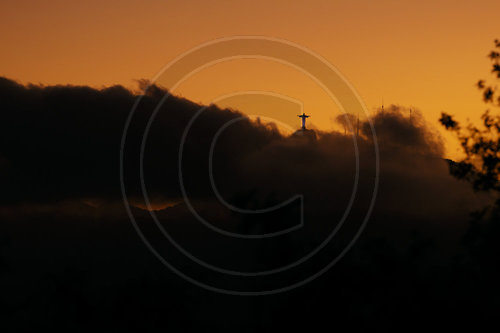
(403,129)
(62,144)
(348,121)
(61,199)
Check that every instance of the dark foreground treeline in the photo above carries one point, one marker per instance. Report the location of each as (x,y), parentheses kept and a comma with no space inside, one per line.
(73,274)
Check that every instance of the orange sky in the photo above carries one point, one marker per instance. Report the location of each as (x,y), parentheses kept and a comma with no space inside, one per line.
(425,54)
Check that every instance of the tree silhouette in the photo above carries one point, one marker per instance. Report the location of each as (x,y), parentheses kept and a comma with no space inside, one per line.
(481,166)
(481,145)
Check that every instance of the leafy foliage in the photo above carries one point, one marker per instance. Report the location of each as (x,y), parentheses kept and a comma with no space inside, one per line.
(481,145)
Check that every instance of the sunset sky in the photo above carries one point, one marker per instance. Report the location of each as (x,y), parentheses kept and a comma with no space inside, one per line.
(156,178)
(423,54)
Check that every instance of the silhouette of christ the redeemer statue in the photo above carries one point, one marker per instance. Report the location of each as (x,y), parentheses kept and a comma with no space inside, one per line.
(303,116)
